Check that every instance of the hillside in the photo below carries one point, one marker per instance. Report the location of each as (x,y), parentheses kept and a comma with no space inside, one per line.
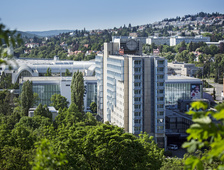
(48,33)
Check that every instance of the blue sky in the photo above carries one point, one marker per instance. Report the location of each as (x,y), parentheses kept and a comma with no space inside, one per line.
(42,15)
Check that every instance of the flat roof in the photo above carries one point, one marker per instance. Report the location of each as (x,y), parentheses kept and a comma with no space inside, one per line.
(182,79)
(53,79)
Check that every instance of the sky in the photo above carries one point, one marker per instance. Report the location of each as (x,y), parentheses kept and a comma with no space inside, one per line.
(43,15)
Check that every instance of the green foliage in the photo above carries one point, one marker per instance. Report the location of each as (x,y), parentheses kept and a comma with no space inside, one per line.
(15,158)
(26,97)
(77,90)
(48,73)
(43,111)
(90,119)
(46,158)
(155,155)
(6,82)
(67,73)
(206,84)
(204,133)
(5,107)
(93,107)
(172,164)
(59,101)
(9,38)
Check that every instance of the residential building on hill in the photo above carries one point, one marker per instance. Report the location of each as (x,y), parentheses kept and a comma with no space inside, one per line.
(178,39)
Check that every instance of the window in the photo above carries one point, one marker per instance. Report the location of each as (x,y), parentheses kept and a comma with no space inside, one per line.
(137,84)
(159,127)
(137,113)
(160,113)
(137,91)
(160,91)
(137,128)
(161,62)
(138,69)
(137,77)
(137,99)
(137,62)
(160,69)
(138,121)
(159,120)
(160,77)
(160,84)
(160,106)
(160,98)
(137,106)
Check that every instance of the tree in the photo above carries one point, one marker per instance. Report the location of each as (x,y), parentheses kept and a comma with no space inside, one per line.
(46,158)
(214,96)
(26,97)
(221,47)
(9,38)
(5,107)
(205,133)
(108,147)
(15,158)
(77,90)
(48,73)
(155,155)
(93,107)
(67,73)
(59,101)
(43,111)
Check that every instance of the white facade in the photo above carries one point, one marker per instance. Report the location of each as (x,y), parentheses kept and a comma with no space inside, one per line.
(178,39)
(182,69)
(38,67)
(45,87)
(133,90)
(158,40)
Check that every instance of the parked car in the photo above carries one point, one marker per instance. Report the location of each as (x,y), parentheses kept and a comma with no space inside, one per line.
(172,147)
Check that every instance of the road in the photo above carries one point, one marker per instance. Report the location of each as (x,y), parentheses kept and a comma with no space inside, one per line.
(218,89)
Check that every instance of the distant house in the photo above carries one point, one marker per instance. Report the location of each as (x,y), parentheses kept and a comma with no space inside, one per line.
(86,45)
(32,45)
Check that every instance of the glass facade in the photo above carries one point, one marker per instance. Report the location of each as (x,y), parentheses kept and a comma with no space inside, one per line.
(91,94)
(115,72)
(24,73)
(175,91)
(99,76)
(45,91)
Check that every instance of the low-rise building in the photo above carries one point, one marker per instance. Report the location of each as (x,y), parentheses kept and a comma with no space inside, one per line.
(181,87)
(182,69)
(45,87)
(51,109)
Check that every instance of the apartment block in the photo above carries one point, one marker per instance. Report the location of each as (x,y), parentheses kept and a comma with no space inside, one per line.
(131,89)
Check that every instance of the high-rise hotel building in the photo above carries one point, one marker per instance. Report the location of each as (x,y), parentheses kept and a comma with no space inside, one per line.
(131,88)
